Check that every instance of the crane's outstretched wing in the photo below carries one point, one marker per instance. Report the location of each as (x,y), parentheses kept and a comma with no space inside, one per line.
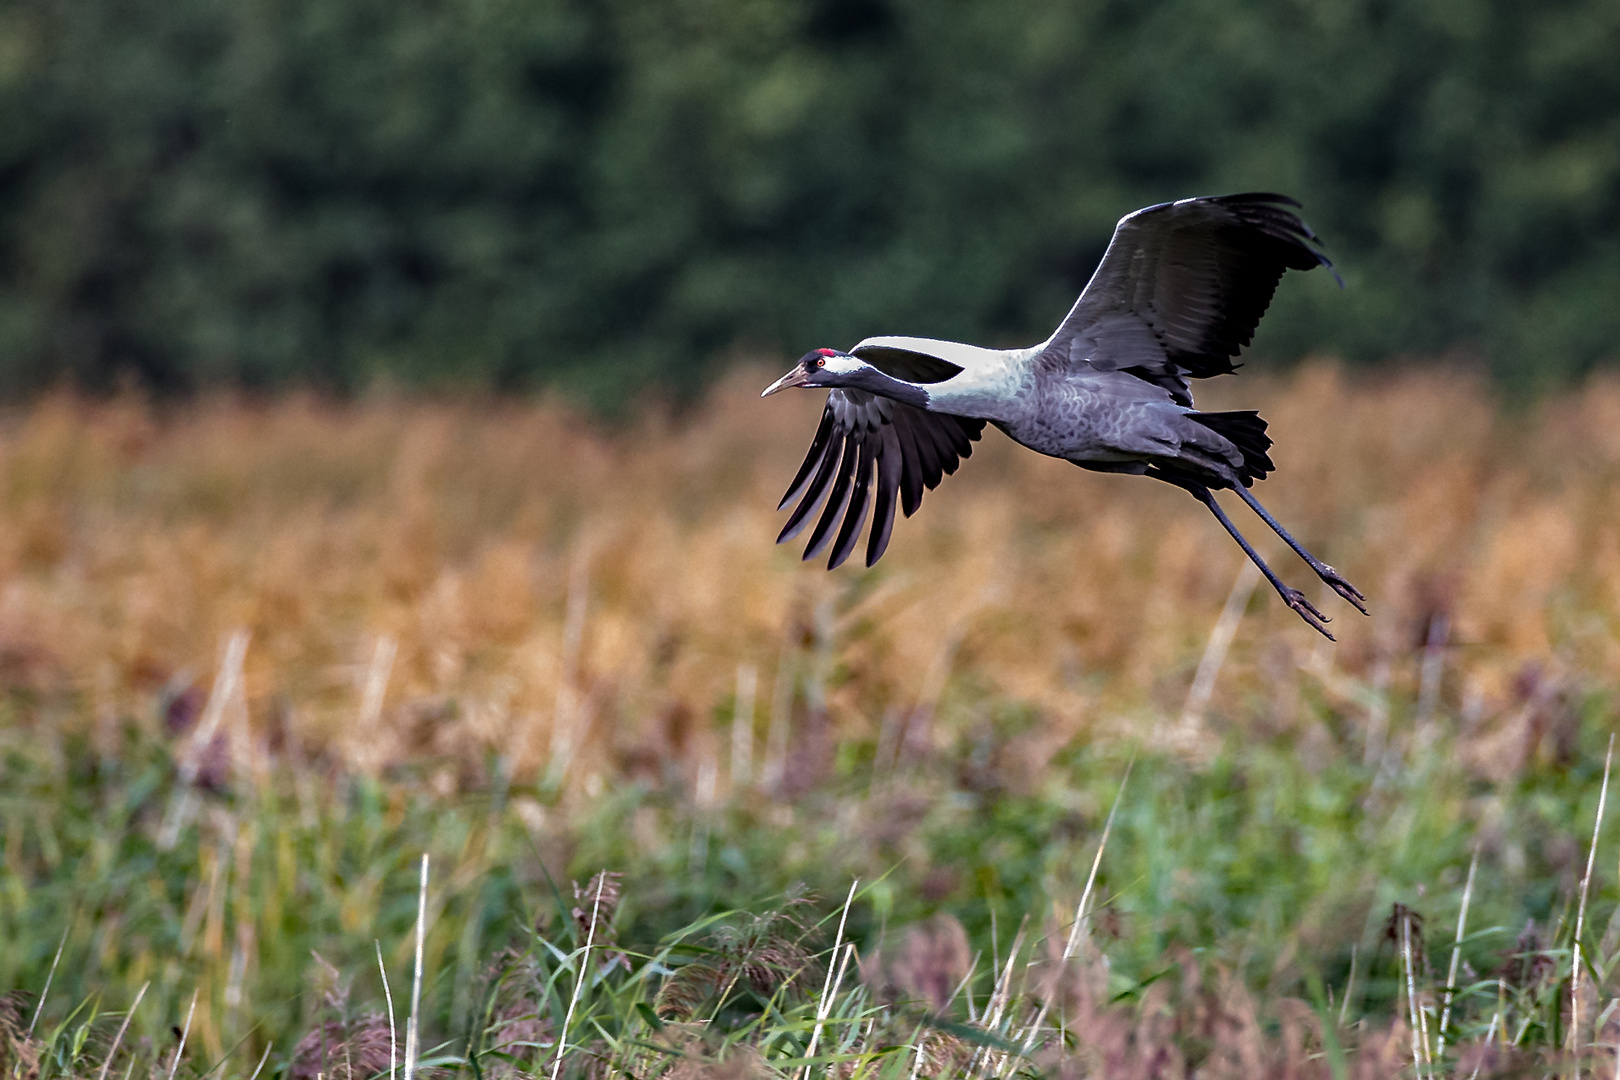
(1182,287)
(868,450)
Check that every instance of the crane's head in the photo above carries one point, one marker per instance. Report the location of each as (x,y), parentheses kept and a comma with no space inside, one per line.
(824,368)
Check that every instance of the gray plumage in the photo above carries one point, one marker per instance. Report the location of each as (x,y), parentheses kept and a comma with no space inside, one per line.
(1176,297)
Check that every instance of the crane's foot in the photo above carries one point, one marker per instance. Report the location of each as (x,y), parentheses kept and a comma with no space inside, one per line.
(1307,611)
(1338,584)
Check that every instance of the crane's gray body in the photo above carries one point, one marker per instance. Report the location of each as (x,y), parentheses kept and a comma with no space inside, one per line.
(1064,407)
(1096,418)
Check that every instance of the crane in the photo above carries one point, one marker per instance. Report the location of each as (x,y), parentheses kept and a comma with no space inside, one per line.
(1176,297)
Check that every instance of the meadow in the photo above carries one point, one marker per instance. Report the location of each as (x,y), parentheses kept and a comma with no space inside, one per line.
(1053,789)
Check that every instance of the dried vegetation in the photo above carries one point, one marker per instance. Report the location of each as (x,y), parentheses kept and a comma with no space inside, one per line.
(489,577)
(341,634)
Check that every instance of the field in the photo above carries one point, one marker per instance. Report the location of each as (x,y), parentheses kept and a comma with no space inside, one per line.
(258,658)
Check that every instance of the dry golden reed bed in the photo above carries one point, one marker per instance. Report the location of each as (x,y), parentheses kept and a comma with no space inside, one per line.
(450,579)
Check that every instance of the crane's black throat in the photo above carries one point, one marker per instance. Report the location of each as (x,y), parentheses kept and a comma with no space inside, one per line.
(876,382)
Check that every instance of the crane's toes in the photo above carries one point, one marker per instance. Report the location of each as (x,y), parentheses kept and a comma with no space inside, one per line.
(1338,584)
(1307,611)
(1298,601)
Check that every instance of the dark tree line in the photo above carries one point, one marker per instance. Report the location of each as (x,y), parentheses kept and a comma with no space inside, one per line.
(604,192)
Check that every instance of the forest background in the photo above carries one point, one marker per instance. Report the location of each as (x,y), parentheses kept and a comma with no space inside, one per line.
(615,195)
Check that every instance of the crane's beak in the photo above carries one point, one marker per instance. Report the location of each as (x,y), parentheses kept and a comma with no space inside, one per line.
(797,377)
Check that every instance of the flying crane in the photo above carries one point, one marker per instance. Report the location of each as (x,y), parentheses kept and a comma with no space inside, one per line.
(1176,297)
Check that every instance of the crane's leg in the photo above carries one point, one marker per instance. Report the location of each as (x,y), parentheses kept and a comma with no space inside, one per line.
(1330,576)
(1292,597)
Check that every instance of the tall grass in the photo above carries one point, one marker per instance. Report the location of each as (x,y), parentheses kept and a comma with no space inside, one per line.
(258,658)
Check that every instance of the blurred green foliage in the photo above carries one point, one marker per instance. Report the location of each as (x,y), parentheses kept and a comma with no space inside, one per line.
(606,194)
(1268,866)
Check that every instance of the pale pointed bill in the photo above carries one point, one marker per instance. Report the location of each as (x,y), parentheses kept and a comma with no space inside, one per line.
(796,377)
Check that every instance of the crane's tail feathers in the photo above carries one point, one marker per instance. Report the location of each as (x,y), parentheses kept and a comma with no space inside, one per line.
(1246,431)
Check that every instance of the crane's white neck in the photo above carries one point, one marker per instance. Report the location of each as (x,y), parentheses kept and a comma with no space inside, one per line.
(991,388)
(990,384)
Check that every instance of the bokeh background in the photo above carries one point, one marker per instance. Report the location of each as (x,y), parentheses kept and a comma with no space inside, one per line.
(382,471)
(611,195)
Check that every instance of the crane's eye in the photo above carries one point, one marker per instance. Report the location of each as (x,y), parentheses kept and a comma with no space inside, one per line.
(821,361)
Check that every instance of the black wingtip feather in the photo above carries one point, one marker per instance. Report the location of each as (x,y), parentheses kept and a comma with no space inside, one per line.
(855,515)
(889,470)
(864,459)
(812,496)
(911,486)
(811,457)
(943,461)
(836,499)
